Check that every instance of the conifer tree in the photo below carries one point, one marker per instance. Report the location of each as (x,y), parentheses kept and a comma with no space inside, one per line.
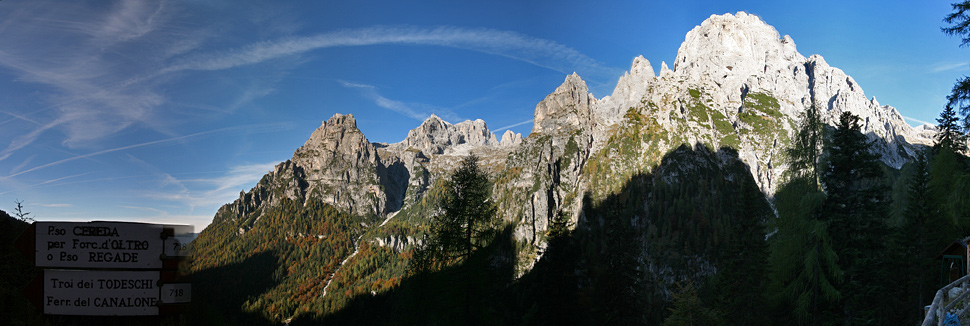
(690,310)
(960,25)
(804,271)
(856,211)
(465,220)
(806,150)
(948,131)
(912,246)
(464,225)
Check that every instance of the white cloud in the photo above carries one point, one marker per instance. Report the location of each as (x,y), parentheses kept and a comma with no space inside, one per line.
(371,93)
(921,122)
(77,57)
(946,66)
(540,52)
(512,126)
(57,205)
(244,129)
(212,192)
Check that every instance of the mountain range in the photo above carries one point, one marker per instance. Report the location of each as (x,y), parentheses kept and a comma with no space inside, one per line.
(727,108)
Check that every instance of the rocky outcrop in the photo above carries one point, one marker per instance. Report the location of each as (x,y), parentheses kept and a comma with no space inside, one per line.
(434,136)
(341,167)
(628,93)
(570,107)
(397,243)
(510,138)
(737,50)
(285,180)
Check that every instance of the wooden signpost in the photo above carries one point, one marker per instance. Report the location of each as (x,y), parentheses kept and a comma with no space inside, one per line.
(107,268)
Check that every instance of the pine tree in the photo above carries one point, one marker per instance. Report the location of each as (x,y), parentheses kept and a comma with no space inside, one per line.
(960,94)
(804,154)
(465,223)
(804,272)
(20,214)
(690,310)
(949,134)
(856,211)
(914,261)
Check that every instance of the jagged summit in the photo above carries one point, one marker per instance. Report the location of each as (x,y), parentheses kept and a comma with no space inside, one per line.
(628,92)
(741,54)
(434,136)
(510,138)
(335,136)
(728,49)
(570,106)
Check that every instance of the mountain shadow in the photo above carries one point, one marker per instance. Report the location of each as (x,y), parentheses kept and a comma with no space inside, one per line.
(698,217)
(218,293)
(475,292)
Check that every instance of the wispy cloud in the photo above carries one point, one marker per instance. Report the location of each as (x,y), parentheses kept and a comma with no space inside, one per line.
(206,192)
(921,122)
(512,126)
(142,208)
(57,205)
(540,52)
(79,67)
(59,179)
(946,66)
(264,127)
(370,92)
(97,71)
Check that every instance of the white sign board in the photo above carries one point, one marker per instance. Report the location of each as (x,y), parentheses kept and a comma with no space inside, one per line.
(98,245)
(179,244)
(101,293)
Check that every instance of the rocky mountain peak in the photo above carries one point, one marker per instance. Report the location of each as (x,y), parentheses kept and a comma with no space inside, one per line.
(510,138)
(570,106)
(629,90)
(434,136)
(475,133)
(344,120)
(337,135)
(730,48)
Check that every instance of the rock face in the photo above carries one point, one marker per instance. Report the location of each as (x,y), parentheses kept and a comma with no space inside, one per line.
(570,107)
(629,90)
(741,54)
(341,167)
(434,135)
(510,138)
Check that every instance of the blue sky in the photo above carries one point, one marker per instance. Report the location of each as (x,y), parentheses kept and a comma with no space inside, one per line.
(162,111)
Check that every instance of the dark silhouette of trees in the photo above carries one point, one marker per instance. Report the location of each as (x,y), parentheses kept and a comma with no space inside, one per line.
(464,225)
(804,266)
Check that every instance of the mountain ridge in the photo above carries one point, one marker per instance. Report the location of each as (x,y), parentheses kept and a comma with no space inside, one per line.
(736,84)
